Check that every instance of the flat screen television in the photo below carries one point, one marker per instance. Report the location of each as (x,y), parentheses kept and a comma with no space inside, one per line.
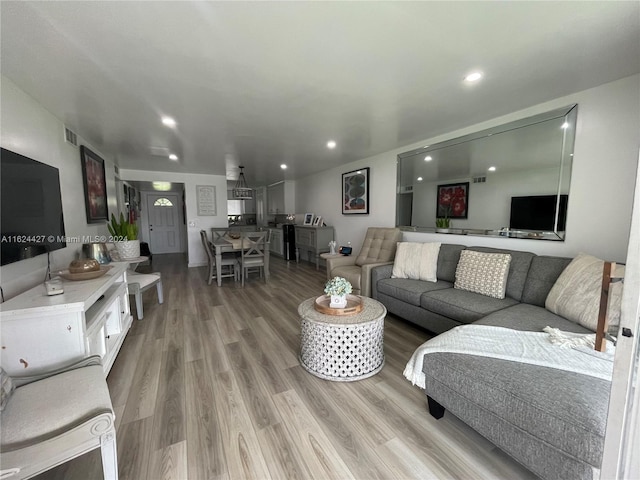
(31,221)
(538,212)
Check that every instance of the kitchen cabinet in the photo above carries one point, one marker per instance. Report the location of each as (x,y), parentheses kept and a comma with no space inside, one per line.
(275,199)
(276,245)
(313,241)
(40,332)
(281,198)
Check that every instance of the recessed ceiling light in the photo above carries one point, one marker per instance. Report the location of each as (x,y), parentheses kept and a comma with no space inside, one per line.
(428,158)
(492,169)
(168,121)
(173,156)
(473,77)
(565,125)
(283,166)
(419,179)
(331,144)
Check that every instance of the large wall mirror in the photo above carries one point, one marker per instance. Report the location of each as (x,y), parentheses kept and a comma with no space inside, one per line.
(511,180)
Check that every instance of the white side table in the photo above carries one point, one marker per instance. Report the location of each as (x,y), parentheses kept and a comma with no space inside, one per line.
(342,348)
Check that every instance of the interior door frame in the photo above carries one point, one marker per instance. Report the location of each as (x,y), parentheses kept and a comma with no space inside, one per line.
(622,436)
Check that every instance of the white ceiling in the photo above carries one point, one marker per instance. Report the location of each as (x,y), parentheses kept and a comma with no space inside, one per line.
(264,83)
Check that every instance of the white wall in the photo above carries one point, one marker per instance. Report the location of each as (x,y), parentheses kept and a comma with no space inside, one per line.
(491,200)
(195,251)
(30,130)
(601,191)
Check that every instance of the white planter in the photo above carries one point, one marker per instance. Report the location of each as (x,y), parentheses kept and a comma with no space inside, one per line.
(128,249)
(442,230)
(338,301)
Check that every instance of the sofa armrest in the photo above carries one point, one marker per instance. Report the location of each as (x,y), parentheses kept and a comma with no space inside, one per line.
(366,280)
(19,381)
(379,273)
(339,262)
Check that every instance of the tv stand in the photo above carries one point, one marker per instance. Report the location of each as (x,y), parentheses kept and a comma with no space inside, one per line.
(40,332)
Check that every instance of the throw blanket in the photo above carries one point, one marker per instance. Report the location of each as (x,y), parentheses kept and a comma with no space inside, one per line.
(534,348)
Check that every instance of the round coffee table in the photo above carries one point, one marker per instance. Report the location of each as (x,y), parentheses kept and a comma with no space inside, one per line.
(342,348)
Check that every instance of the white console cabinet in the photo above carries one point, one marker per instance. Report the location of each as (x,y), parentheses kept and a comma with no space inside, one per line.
(313,240)
(40,333)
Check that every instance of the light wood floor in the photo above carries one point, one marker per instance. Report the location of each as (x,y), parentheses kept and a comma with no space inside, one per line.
(209,386)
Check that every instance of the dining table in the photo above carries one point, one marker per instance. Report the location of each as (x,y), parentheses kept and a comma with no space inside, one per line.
(227,244)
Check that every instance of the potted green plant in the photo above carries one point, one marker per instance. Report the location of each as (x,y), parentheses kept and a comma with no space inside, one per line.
(338,288)
(125,237)
(443,224)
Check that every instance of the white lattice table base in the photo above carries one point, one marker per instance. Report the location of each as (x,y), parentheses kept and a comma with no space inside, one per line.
(342,348)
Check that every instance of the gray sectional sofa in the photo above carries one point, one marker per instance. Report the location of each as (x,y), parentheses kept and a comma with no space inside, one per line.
(551,421)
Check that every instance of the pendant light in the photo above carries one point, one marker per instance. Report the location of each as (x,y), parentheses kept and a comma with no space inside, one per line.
(241,190)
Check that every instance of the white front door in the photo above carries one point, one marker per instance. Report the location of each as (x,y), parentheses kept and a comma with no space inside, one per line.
(164,223)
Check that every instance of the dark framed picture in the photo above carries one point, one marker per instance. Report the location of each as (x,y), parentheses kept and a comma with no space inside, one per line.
(95,186)
(355,192)
(308,219)
(453,200)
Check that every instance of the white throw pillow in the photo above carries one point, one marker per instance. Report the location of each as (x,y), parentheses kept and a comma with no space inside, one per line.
(576,294)
(483,273)
(417,261)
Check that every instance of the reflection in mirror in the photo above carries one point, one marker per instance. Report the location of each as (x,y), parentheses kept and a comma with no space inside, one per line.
(518,178)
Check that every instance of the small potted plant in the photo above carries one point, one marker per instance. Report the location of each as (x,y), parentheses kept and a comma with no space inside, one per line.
(125,237)
(442,224)
(338,288)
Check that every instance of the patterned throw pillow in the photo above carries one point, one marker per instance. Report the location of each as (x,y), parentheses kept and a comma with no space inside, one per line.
(6,388)
(483,273)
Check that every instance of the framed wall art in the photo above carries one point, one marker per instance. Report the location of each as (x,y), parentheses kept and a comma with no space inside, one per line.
(453,200)
(355,192)
(317,222)
(95,186)
(308,219)
(206,200)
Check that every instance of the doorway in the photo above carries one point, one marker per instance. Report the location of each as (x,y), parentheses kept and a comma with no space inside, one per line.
(164,222)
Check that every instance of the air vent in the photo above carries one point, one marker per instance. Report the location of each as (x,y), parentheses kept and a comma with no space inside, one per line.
(159,151)
(70,137)
(480,179)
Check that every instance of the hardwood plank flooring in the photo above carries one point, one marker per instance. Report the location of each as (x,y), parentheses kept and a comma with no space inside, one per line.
(209,386)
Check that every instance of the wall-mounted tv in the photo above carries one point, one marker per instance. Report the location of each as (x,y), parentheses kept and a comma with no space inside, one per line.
(31,221)
(538,212)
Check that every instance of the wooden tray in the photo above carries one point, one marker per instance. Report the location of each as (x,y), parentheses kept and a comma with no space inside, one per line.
(354,305)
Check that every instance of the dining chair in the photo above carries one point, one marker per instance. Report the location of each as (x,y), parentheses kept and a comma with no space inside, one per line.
(229,261)
(219,233)
(54,417)
(254,253)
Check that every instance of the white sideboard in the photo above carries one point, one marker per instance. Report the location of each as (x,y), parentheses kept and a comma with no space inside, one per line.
(313,240)
(40,332)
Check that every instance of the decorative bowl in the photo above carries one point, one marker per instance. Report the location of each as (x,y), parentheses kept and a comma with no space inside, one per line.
(84,265)
(234,235)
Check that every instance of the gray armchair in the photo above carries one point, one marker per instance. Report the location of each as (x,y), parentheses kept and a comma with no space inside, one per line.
(55,417)
(378,248)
